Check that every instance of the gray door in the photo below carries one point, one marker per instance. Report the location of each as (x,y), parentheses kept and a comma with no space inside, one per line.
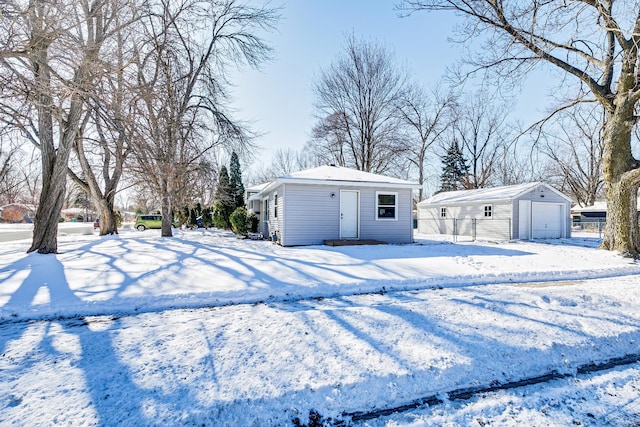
(349,214)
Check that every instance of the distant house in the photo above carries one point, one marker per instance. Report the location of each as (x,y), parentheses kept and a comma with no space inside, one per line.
(595,213)
(592,216)
(334,203)
(17,213)
(77,214)
(526,211)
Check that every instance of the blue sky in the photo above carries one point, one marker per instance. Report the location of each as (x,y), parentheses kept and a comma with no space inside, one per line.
(278,99)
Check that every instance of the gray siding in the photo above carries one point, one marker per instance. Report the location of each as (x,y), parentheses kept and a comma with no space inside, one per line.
(311,215)
(392,231)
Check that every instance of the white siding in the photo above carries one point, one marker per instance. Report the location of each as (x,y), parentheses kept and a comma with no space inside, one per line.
(467,220)
(541,195)
(504,222)
(275,223)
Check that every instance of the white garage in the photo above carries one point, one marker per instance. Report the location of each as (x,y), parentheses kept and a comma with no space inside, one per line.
(547,220)
(525,211)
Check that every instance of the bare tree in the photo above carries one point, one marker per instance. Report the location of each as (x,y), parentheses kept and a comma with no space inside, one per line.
(9,176)
(356,99)
(107,126)
(286,161)
(426,119)
(576,147)
(182,88)
(479,125)
(596,43)
(520,161)
(49,58)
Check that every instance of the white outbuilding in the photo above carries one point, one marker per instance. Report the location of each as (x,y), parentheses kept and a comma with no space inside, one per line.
(525,211)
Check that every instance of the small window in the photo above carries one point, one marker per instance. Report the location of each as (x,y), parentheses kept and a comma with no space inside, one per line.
(275,206)
(386,205)
(443,212)
(488,211)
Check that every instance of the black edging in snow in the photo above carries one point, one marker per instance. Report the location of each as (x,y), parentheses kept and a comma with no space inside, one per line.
(467,393)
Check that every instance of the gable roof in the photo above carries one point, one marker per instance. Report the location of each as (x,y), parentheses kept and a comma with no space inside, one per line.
(339,173)
(256,188)
(336,175)
(507,192)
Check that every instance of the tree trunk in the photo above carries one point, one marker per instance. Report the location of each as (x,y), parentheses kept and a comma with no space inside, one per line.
(54,179)
(166,208)
(45,229)
(622,179)
(54,160)
(108,219)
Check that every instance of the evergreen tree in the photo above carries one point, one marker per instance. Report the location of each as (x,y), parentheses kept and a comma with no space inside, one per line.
(207,217)
(224,204)
(454,169)
(193,217)
(235,182)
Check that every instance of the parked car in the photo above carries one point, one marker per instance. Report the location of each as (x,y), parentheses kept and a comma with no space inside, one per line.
(149,221)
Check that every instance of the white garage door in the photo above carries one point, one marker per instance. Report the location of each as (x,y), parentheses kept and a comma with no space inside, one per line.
(546,220)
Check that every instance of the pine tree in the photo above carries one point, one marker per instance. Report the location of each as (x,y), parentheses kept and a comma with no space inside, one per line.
(193,218)
(235,182)
(207,217)
(224,204)
(454,169)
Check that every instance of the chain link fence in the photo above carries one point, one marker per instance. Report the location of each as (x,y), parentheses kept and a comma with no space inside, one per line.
(467,229)
(595,227)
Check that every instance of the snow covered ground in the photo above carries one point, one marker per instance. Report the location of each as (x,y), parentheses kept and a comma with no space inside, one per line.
(206,329)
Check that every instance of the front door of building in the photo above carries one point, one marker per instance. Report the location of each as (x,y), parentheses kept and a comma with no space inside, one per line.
(349,214)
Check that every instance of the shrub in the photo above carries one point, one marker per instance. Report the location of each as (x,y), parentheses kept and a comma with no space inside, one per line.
(254,221)
(220,215)
(239,221)
(207,220)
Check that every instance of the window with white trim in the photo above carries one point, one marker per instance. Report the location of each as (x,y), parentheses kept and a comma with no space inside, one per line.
(275,205)
(386,205)
(488,211)
(443,212)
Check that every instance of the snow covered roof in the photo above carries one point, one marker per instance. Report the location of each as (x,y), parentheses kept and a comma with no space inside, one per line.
(20,205)
(599,206)
(256,188)
(332,175)
(338,173)
(507,192)
(596,207)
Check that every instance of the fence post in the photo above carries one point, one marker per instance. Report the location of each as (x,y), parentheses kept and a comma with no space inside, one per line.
(600,228)
(455,229)
(473,228)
